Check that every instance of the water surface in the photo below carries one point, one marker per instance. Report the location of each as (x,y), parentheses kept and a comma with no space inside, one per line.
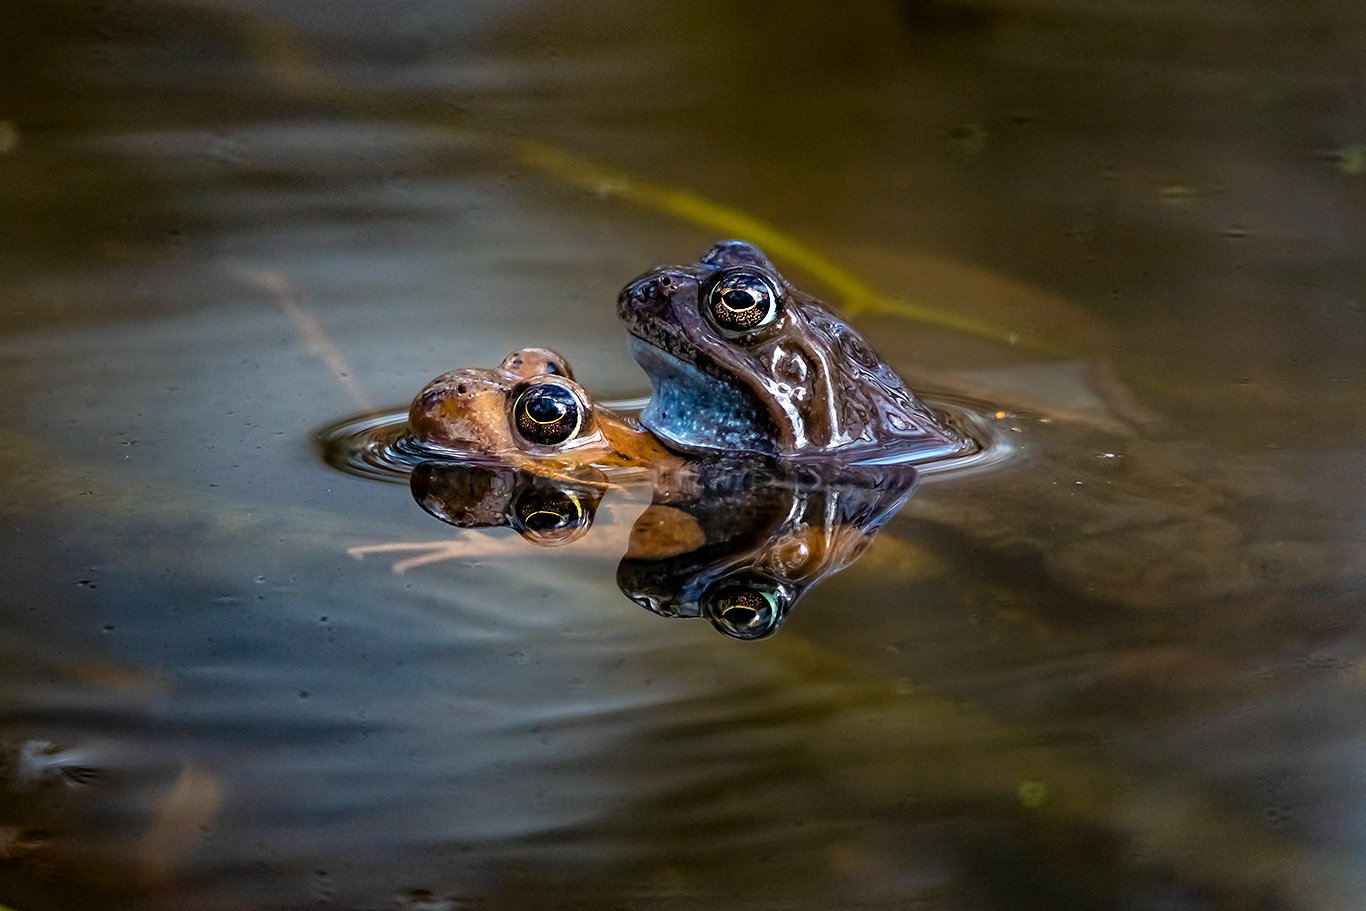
(1123,669)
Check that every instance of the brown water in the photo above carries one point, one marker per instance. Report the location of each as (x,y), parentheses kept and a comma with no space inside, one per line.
(1122,670)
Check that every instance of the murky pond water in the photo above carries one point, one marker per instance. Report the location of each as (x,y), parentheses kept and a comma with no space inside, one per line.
(1123,668)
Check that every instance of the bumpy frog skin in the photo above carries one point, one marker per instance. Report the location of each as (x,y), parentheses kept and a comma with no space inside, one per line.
(740,360)
(527,413)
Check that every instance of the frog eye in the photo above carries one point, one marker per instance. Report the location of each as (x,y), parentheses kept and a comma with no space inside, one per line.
(548,412)
(551,516)
(742,300)
(745,608)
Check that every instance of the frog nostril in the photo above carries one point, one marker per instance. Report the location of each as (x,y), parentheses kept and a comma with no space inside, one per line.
(645,291)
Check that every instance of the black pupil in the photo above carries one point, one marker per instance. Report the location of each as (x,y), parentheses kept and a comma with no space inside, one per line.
(739,300)
(739,614)
(545,408)
(545,511)
(545,520)
(547,414)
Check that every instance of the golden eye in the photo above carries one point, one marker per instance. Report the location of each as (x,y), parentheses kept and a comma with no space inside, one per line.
(745,609)
(548,413)
(546,511)
(742,300)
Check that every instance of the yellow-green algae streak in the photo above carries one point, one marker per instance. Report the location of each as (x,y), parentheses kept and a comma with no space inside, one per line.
(289,64)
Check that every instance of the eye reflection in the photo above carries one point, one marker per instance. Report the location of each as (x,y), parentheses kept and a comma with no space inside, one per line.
(746,606)
(741,301)
(547,512)
(551,515)
(717,540)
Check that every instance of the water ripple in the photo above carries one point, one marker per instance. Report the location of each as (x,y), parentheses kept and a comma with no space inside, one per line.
(376,444)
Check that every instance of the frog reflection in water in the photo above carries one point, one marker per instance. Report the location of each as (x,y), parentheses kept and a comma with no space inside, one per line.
(740,360)
(738,548)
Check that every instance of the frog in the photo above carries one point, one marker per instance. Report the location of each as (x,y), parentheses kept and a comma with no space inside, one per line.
(741,360)
(527,413)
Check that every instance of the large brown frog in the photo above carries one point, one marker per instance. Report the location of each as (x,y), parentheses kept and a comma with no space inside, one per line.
(740,360)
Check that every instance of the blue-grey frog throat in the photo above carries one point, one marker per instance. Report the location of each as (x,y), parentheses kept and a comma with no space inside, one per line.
(740,360)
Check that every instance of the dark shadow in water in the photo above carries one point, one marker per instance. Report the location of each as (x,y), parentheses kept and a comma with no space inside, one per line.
(738,543)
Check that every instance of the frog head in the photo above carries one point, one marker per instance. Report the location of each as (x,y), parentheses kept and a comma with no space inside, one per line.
(528,412)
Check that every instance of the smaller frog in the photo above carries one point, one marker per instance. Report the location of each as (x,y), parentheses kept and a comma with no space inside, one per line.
(741,360)
(529,413)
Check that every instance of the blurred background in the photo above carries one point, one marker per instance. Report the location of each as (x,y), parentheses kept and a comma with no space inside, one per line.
(1121,670)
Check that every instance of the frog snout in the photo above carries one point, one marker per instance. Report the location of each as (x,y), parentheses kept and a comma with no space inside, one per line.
(646,291)
(650,294)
